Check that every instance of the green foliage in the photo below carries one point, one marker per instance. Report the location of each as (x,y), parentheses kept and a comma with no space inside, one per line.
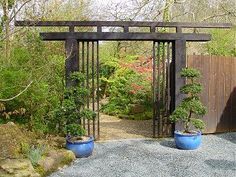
(222,43)
(74,130)
(68,115)
(32,61)
(194,88)
(126,88)
(126,81)
(88,114)
(43,63)
(179,114)
(197,123)
(190,73)
(191,105)
(78,77)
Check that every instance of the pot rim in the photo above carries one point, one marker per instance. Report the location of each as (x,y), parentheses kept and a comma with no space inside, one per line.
(178,132)
(80,142)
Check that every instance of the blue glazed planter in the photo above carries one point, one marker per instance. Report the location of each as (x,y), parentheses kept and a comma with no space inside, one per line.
(81,148)
(187,141)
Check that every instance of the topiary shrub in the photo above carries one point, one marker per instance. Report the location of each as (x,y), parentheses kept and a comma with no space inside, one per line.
(190,109)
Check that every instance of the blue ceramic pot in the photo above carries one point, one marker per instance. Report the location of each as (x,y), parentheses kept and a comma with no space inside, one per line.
(81,148)
(187,141)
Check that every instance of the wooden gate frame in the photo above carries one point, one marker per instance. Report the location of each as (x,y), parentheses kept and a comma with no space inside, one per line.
(178,40)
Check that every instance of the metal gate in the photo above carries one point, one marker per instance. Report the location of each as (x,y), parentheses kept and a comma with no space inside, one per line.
(162,67)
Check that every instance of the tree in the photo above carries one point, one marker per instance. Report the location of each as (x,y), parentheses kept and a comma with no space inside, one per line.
(33,61)
(10,10)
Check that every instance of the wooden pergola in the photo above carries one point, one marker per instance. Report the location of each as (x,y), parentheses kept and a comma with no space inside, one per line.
(169,49)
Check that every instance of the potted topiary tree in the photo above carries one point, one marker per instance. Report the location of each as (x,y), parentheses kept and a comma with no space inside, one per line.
(189,112)
(70,114)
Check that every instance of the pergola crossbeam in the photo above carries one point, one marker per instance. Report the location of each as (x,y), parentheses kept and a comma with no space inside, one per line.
(57,36)
(124,24)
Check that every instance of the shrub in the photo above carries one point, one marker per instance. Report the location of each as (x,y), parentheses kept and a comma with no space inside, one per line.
(130,84)
(191,108)
(68,115)
(31,61)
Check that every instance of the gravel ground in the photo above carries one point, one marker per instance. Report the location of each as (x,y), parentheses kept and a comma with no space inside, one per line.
(157,158)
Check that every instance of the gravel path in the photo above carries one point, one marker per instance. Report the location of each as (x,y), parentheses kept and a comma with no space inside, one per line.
(157,158)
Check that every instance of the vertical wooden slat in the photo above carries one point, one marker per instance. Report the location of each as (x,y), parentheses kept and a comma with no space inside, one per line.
(170,125)
(205,92)
(204,68)
(82,70)
(163,87)
(87,83)
(227,95)
(78,43)
(233,96)
(221,116)
(167,90)
(163,71)
(159,87)
(154,87)
(208,116)
(93,89)
(214,83)
(98,90)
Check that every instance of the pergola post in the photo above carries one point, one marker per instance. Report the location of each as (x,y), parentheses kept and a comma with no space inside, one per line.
(179,63)
(72,60)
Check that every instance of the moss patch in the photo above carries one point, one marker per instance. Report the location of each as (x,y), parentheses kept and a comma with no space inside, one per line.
(11,138)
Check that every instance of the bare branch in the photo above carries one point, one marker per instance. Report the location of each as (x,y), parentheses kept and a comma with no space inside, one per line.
(216,15)
(13,14)
(9,99)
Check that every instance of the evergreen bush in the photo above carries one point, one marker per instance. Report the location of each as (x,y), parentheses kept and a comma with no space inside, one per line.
(190,109)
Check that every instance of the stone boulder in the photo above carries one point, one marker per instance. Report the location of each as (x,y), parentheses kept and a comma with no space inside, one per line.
(54,160)
(17,168)
(14,145)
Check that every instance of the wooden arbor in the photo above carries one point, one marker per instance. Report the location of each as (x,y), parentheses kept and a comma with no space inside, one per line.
(169,57)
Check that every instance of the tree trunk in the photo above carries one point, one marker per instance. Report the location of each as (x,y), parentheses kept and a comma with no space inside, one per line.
(7,30)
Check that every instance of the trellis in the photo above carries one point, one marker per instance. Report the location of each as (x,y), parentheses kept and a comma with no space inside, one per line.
(169,57)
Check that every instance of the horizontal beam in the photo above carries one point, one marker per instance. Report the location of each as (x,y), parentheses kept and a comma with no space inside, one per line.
(56,36)
(124,24)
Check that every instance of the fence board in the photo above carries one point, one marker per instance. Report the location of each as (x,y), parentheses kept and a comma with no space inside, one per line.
(219,94)
(233,98)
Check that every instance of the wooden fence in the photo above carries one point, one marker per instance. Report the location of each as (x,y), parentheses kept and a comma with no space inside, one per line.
(219,94)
